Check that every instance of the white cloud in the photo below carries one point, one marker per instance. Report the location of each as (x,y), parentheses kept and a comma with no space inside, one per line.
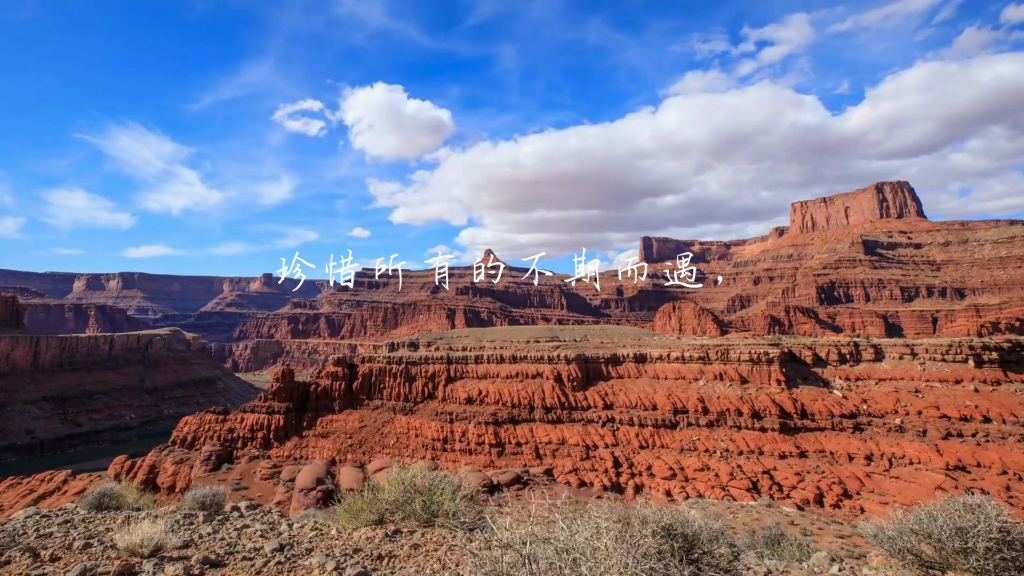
(67,251)
(286,117)
(972,41)
(1012,14)
(761,48)
(844,87)
(158,162)
(150,251)
(948,12)
(619,261)
(359,232)
(791,35)
(384,122)
(712,45)
(883,15)
(724,164)
(698,81)
(76,208)
(275,192)
(10,226)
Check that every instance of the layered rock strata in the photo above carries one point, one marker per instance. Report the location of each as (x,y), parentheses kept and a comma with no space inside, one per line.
(839,425)
(66,392)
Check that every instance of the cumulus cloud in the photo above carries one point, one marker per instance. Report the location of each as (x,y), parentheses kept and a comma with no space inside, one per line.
(287,116)
(158,163)
(888,13)
(10,226)
(150,251)
(276,191)
(1012,14)
(358,232)
(385,123)
(76,208)
(726,164)
(791,35)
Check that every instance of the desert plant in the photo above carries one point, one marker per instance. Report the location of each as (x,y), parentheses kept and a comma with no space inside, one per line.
(204,499)
(972,534)
(116,496)
(414,496)
(570,539)
(772,542)
(145,537)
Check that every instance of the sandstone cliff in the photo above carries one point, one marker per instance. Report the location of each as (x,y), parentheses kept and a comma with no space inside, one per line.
(66,392)
(880,201)
(843,426)
(12,314)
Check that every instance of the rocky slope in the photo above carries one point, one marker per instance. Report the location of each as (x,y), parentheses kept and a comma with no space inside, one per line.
(843,426)
(248,539)
(66,392)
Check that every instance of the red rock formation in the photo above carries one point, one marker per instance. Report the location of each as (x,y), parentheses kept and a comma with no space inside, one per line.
(842,425)
(46,490)
(12,314)
(879,201)
(65,392)
(686,319)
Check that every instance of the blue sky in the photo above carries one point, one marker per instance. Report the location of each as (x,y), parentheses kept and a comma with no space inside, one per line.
(216,137)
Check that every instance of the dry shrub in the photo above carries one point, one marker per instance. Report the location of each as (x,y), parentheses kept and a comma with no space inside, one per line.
(596,539)
(204,499)
(146,537)
(971,534)
(115,497)
(414,496)
(772,542)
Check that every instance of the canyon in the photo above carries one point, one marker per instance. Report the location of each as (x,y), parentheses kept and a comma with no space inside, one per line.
(845,426)
(860,358)
(67,393)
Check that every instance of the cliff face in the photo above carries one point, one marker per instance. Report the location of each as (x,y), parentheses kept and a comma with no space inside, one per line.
(65,392)
(842,426)
(12,314)
(49,317)
(884,200)
(207,305)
